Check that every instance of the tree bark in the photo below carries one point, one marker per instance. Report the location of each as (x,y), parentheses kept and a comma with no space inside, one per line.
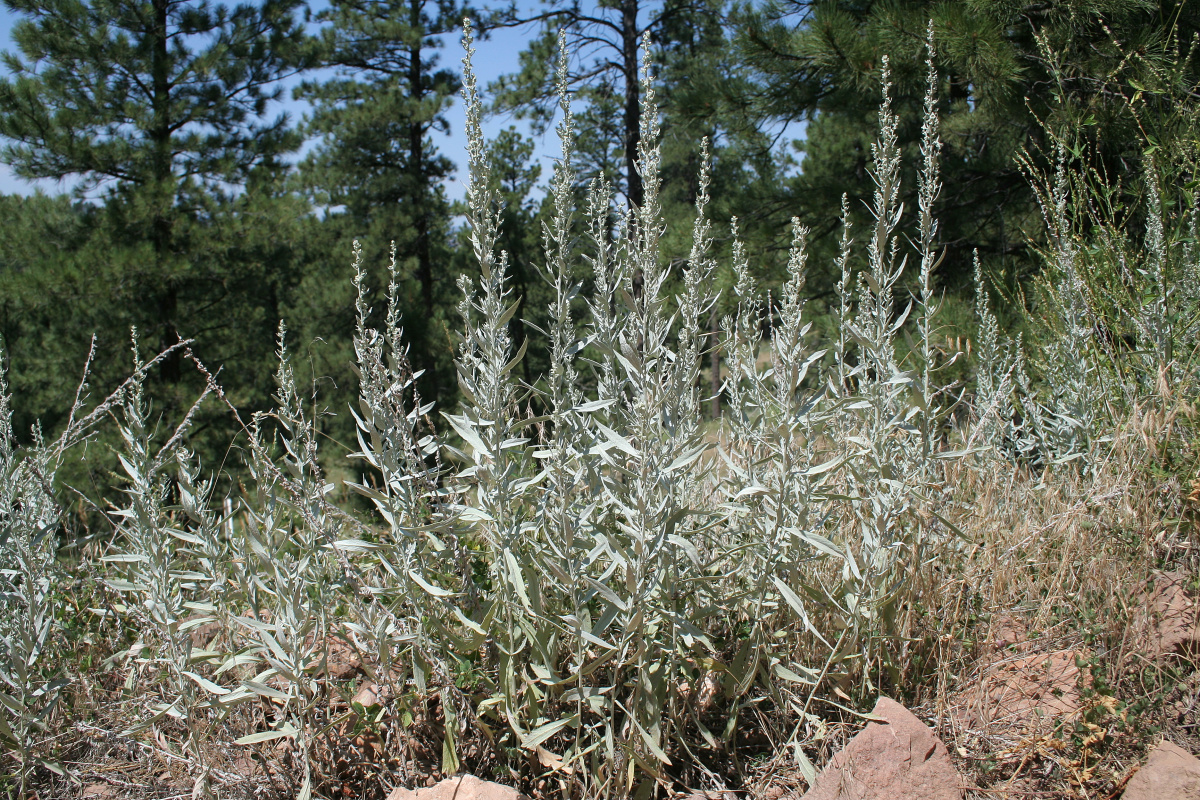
(416,161)
(633,101)
(162,190)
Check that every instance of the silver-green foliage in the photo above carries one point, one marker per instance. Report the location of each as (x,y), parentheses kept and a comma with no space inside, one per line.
(170,572)
(32,583)
(614,574)
(620,546)
(1114,310)
(29,520)
(1116,307)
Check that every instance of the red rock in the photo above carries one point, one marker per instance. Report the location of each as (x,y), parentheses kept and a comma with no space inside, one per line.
(342,662)
(461,787)
(1010,633)
(1023,694)
(1171,773)
(367,695)
(1176,617)
(901,759)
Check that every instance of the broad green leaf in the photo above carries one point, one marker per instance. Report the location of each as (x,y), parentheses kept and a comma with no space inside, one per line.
(126,558)
(617,440)
(466,429)
(653,745)
(186,536)
(427,586)
(354,545)
(791,677)
(117,584)
(544,732)
(450,763)
(287,731)
(807,769)
(797,606)
(607,593)
(821,468)
(470,623)
(516,578)
(264,690)
(206,684)
(688,458)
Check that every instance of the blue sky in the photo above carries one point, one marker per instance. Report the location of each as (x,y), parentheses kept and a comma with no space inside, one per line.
(495,56)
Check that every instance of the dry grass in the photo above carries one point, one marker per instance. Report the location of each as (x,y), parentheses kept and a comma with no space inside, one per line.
(1054,568)
(1064,564)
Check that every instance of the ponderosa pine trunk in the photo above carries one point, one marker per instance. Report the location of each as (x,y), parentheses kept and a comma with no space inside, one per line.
(161,190)
(633,100)
(416,161)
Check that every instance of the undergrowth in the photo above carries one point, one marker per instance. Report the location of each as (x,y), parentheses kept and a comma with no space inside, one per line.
(579,587)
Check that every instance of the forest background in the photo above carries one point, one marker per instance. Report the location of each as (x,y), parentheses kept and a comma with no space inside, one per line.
(187,202)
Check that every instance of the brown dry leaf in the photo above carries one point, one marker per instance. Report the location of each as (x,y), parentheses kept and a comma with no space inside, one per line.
(553,761)
(1095,734)
(710,687)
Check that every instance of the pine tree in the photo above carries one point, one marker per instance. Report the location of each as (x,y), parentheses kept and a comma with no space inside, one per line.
(377,114)
(819,63)
(605,40)
(376,160)
(700,88)
(158,108)
(704,86)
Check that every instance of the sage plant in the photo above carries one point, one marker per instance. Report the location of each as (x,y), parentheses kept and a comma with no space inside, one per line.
(29,520)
